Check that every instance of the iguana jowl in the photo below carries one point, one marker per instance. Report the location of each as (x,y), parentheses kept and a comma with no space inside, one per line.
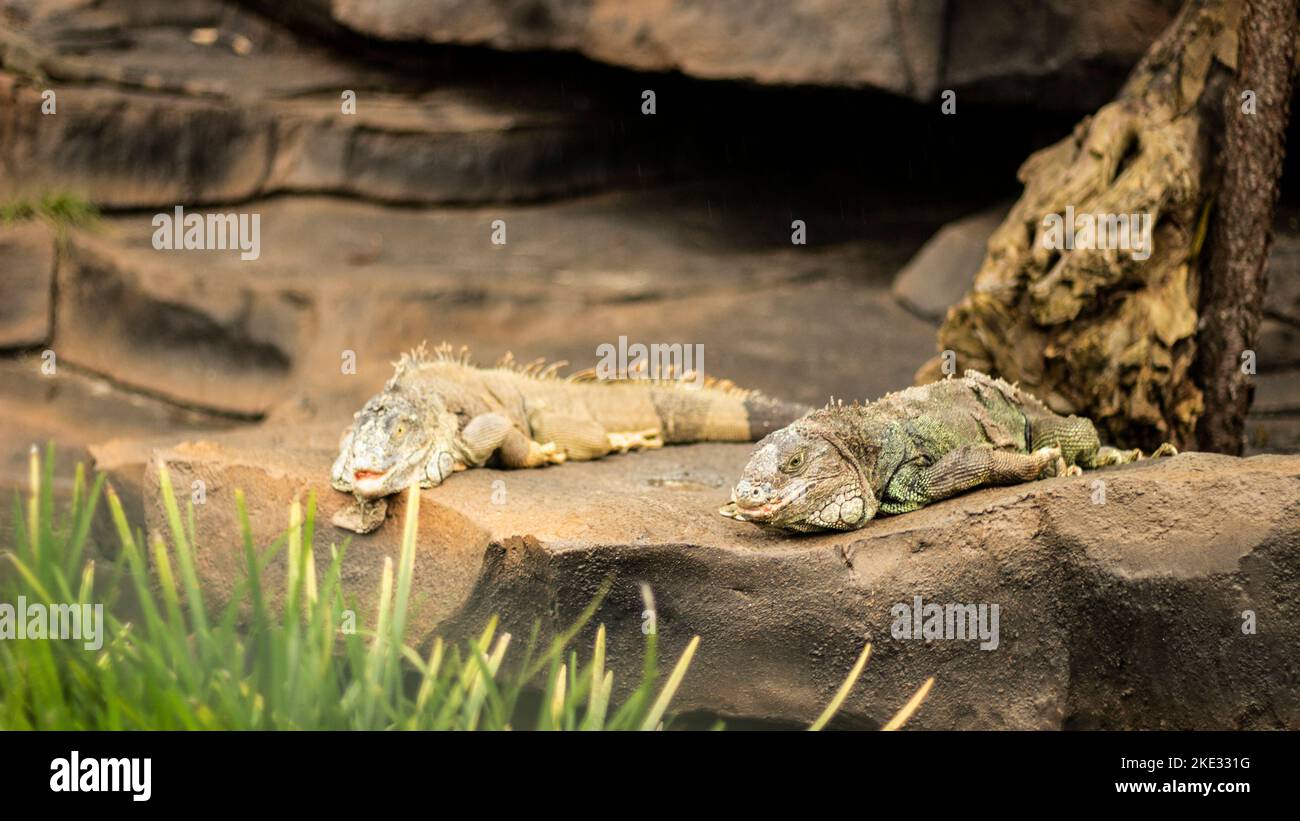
(439,414)
(838,467)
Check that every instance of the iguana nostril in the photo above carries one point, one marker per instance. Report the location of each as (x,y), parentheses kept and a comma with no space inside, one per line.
(751,493)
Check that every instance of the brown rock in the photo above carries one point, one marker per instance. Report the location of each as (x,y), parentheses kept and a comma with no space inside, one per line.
(72,409)
(208,329)
(28,253)
(1122,614)
(1066,54)
(176,332)
(217,126)
(942,271)
(1006,51)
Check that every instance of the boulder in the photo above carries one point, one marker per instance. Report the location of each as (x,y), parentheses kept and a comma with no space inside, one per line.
(28,253)
(1011,51)
(1150,596)
(941,273)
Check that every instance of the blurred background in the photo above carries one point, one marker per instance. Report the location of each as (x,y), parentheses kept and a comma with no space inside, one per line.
(662,217)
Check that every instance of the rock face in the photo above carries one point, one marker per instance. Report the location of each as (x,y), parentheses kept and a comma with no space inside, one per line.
(28,254)
(72,409)
(258,113)
(1122,594)
(207,329)
(1004,51)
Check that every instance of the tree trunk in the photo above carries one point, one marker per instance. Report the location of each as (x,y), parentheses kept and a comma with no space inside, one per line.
(1106,332)
(1235,278)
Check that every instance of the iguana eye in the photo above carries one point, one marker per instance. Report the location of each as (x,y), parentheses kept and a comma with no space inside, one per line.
(794,463)
(401,429)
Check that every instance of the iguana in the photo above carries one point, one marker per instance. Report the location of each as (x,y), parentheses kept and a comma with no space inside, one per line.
(439,414)
(838,467)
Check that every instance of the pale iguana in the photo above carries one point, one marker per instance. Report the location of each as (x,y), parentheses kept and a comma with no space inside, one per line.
(439,414)
(838,467)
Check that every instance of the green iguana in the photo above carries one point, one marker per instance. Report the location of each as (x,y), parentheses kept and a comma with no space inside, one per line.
(439,414)
(838,467)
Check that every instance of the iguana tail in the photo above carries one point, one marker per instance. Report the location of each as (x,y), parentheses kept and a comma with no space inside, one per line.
(719,414)
(588,415)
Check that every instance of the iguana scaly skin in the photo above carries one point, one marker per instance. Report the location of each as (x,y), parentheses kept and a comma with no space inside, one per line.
(837,468)
(439,414)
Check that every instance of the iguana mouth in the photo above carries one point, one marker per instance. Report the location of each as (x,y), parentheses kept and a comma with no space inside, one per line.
(763,512)
(365,480)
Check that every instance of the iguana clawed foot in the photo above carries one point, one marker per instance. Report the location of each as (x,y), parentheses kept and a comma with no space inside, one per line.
(1063,469)
(1113,456)
(1052,461)
(635,440)
(361,517)
(550,453)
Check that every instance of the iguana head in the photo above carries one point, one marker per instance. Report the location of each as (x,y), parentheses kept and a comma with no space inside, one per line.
(398,438)
(799,480)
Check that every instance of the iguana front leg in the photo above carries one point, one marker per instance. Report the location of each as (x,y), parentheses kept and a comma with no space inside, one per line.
(583,439)
(966,468)
(491,433)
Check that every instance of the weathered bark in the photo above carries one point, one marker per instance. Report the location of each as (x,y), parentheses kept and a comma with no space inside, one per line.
(1098,331)
(1235,277)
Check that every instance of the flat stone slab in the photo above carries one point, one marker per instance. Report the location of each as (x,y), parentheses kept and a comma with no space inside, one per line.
(1121,593)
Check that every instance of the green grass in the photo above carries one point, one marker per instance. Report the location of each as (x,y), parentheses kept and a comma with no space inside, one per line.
(61,208)
(281,662)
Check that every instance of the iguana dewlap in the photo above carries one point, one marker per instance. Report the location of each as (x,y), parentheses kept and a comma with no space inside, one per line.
(838,467)
(439,414)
